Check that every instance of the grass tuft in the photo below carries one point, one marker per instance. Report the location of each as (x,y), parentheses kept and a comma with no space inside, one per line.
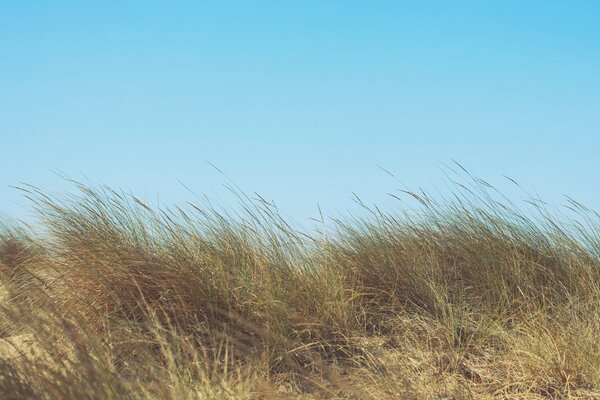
(464,297)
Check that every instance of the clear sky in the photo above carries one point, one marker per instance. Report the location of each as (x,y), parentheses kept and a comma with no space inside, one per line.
(299,101)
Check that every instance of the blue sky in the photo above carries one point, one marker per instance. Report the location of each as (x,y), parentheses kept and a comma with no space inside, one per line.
(299,101)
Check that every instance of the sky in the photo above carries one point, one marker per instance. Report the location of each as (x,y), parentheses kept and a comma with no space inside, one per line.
(301,102)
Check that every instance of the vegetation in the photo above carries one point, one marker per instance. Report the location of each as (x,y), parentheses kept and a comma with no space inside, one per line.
(469,297)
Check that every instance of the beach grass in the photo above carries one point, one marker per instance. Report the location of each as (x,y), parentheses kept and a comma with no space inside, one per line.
(462,297)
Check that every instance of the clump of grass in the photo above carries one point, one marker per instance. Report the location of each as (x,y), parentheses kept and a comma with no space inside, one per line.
(467,297)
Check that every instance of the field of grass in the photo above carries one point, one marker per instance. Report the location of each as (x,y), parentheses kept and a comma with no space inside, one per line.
(463,298)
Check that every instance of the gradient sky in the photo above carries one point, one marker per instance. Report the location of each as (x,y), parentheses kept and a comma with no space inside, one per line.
(299,101)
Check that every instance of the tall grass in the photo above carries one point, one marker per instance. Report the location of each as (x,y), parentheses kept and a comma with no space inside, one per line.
(466,297)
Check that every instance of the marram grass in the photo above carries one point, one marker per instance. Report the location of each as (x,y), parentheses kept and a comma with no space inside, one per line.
(464,298)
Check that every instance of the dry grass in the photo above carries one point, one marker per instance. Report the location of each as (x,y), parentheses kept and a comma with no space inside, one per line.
(463,298)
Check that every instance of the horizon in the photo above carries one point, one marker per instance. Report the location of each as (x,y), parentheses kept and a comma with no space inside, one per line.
(304,104)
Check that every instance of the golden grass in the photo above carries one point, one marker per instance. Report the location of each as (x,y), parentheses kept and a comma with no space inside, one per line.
(463,298)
